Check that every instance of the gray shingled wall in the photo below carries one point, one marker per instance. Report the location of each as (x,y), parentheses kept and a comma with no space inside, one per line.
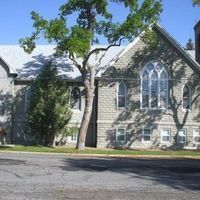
(6,90)
(133,119)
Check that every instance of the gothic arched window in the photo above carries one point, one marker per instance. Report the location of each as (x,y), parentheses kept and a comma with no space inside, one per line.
(186,103)
(154,86)
(121,95)
(75,99)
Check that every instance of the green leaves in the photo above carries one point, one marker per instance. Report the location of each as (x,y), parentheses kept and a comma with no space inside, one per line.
(138,20)
(196,2)
(49,109)
(93,21)
(55,30)
(79,41)
(28,43)
(39,22)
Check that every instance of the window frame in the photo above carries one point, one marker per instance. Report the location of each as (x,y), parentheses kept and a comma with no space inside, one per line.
(149,91)
(124,107)
(80,100)
(189,98)
(198,129)
(150,135)
(117,134)
(27,98)
(178,136)
(70,138)
(74,136)
(161,135)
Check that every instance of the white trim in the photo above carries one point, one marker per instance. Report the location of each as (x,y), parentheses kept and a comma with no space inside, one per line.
(69,138)
(190,98)
(118,95)
(129,46)
(178,46)
(117,134)
(162,134)
(9,67)
(167,36)
(194,132)
(178,136)
(149,141)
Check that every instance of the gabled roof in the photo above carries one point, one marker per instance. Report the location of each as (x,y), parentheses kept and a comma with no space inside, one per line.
(192,53)
(189,55)
(181,50)
(28,66)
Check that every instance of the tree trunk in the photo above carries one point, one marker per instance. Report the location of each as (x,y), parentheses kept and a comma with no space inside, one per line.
(89,97)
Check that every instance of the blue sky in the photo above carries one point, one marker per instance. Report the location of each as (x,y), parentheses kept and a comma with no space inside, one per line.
(178,18)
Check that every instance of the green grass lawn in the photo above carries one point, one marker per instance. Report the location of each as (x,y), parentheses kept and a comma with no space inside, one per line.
(111,152)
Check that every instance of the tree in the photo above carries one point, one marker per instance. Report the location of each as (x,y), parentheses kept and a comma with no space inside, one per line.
(93,21)
(196,2)
(49,109)
(189,45)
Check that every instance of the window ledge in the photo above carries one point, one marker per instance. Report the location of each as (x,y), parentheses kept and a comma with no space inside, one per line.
(182,143)
(153,109)
(196,143)
(186,110)
(121,142)
(147,142)
(76,110)
(162,142)
(121,108)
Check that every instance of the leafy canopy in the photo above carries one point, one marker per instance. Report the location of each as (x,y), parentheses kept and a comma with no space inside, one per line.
(94,20)
(49,109)
(196,2)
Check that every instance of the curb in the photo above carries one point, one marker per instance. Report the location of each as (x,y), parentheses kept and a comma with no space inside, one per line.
(105,155)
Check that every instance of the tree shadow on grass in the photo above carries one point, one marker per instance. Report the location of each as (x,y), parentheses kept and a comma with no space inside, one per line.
(179,174)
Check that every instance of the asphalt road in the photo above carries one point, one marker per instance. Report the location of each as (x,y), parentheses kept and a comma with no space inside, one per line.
(33,176)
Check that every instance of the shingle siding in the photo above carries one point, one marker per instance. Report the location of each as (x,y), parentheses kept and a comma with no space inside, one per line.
(133,119)
(106,116)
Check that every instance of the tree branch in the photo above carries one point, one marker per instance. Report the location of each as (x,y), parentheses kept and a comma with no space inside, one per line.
(101,49)
(100,59)
(72,58)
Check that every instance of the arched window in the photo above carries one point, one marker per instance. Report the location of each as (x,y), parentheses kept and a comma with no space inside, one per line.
(186,103)
(154,86)
(121,95)
(27,98)
(75,99)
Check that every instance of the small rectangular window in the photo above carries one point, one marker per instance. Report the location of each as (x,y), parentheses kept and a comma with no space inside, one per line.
(165,135)
(73,137)
(196,136)
(181,136)
(146,135)
(120,135)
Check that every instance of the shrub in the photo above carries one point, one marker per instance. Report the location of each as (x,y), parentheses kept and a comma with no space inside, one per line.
(49,109)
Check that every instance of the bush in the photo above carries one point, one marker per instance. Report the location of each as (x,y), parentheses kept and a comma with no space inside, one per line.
(49,109)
